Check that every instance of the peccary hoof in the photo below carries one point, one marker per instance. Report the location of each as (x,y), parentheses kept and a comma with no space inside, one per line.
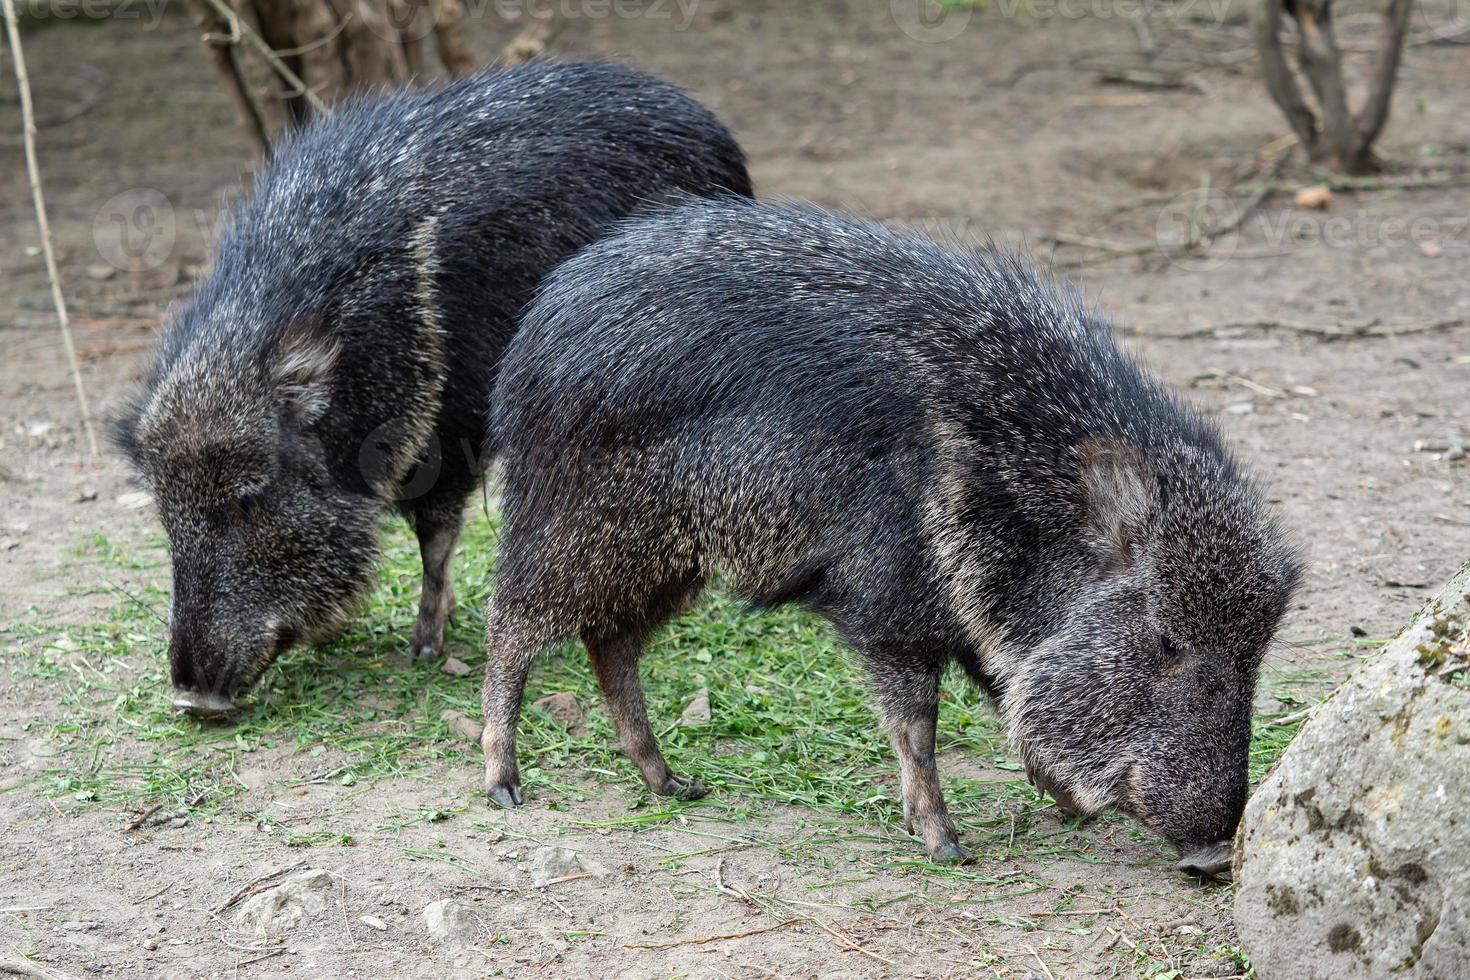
(507,795)
(949,852)
(1212,861)
(682,788)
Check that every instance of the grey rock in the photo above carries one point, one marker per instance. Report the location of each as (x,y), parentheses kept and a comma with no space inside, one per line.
(460,724)
(697,711)
(288,904)
(455,667)
(549,864)
(1353,858)
(373,922)
(451,921)
(562,707)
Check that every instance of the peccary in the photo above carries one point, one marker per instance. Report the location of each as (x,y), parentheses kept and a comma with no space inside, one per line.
(938,450)
(337,361)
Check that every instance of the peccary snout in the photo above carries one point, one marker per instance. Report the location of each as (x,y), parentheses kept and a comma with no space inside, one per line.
(1142,700)
(213,663)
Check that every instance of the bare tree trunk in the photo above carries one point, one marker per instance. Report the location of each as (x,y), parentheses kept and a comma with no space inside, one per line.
(1336,137)
(319,51)
(1385,73)
(448,23)
(531,40)
(221,37)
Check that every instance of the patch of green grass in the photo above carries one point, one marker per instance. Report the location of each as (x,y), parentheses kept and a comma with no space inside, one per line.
(793,721)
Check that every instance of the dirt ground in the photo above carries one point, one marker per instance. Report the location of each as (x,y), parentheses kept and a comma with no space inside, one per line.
(1007,129)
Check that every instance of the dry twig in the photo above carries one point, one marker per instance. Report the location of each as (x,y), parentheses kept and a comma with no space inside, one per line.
(701,940)
(28,121)
(141,818)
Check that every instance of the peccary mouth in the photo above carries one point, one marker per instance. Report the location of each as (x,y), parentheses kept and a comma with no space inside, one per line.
(1210,861)
(202,704)
(1066,802)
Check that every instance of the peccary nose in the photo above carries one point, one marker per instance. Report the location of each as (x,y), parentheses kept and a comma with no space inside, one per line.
(202,704)
(1210,861)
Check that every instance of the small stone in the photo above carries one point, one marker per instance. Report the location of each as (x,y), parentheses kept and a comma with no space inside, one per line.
(150,944)
(85,496)
(373,922)
(549,864)
(461,725)
(450,921)
(1455,452)
(562,707)
(178,822)
(1431,250)
(1241,408)
(100,273)
(1430,446)
(9,544)
(77,925)
(455,667)
(133,500)
(697,711)
(297,898)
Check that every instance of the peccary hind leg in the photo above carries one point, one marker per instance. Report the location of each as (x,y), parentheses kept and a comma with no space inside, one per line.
(437,537)
(615,658)
(511,646)
(911,714)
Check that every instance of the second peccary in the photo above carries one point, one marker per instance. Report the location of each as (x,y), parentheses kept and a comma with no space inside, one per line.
(940,451)
(337,361)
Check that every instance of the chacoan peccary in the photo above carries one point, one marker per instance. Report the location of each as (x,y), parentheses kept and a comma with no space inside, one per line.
(337,361)
(937,449)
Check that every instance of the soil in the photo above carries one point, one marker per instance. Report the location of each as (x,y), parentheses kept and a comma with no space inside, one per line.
(1007,130)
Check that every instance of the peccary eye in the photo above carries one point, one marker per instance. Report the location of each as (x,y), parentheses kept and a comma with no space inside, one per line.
(1168,650)
(248,505)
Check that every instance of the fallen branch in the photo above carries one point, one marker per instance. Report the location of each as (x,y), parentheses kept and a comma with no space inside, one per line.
(1344,331)
(23,968)
(141,818)
(28,121)
(701,940)
(256,886)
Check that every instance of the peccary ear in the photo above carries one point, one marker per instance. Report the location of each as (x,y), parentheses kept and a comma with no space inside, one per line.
(302,369)
(122,427)
(1116,485)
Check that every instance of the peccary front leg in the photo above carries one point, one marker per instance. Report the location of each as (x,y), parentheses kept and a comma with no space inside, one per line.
(615,659)
(437,537)
(511,647)
(911,714)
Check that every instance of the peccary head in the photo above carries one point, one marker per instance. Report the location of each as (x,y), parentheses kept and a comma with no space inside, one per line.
(1141,698)
(267,547)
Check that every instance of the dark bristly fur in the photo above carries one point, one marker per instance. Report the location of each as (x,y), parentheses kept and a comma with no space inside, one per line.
(337,361)
(939,450)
